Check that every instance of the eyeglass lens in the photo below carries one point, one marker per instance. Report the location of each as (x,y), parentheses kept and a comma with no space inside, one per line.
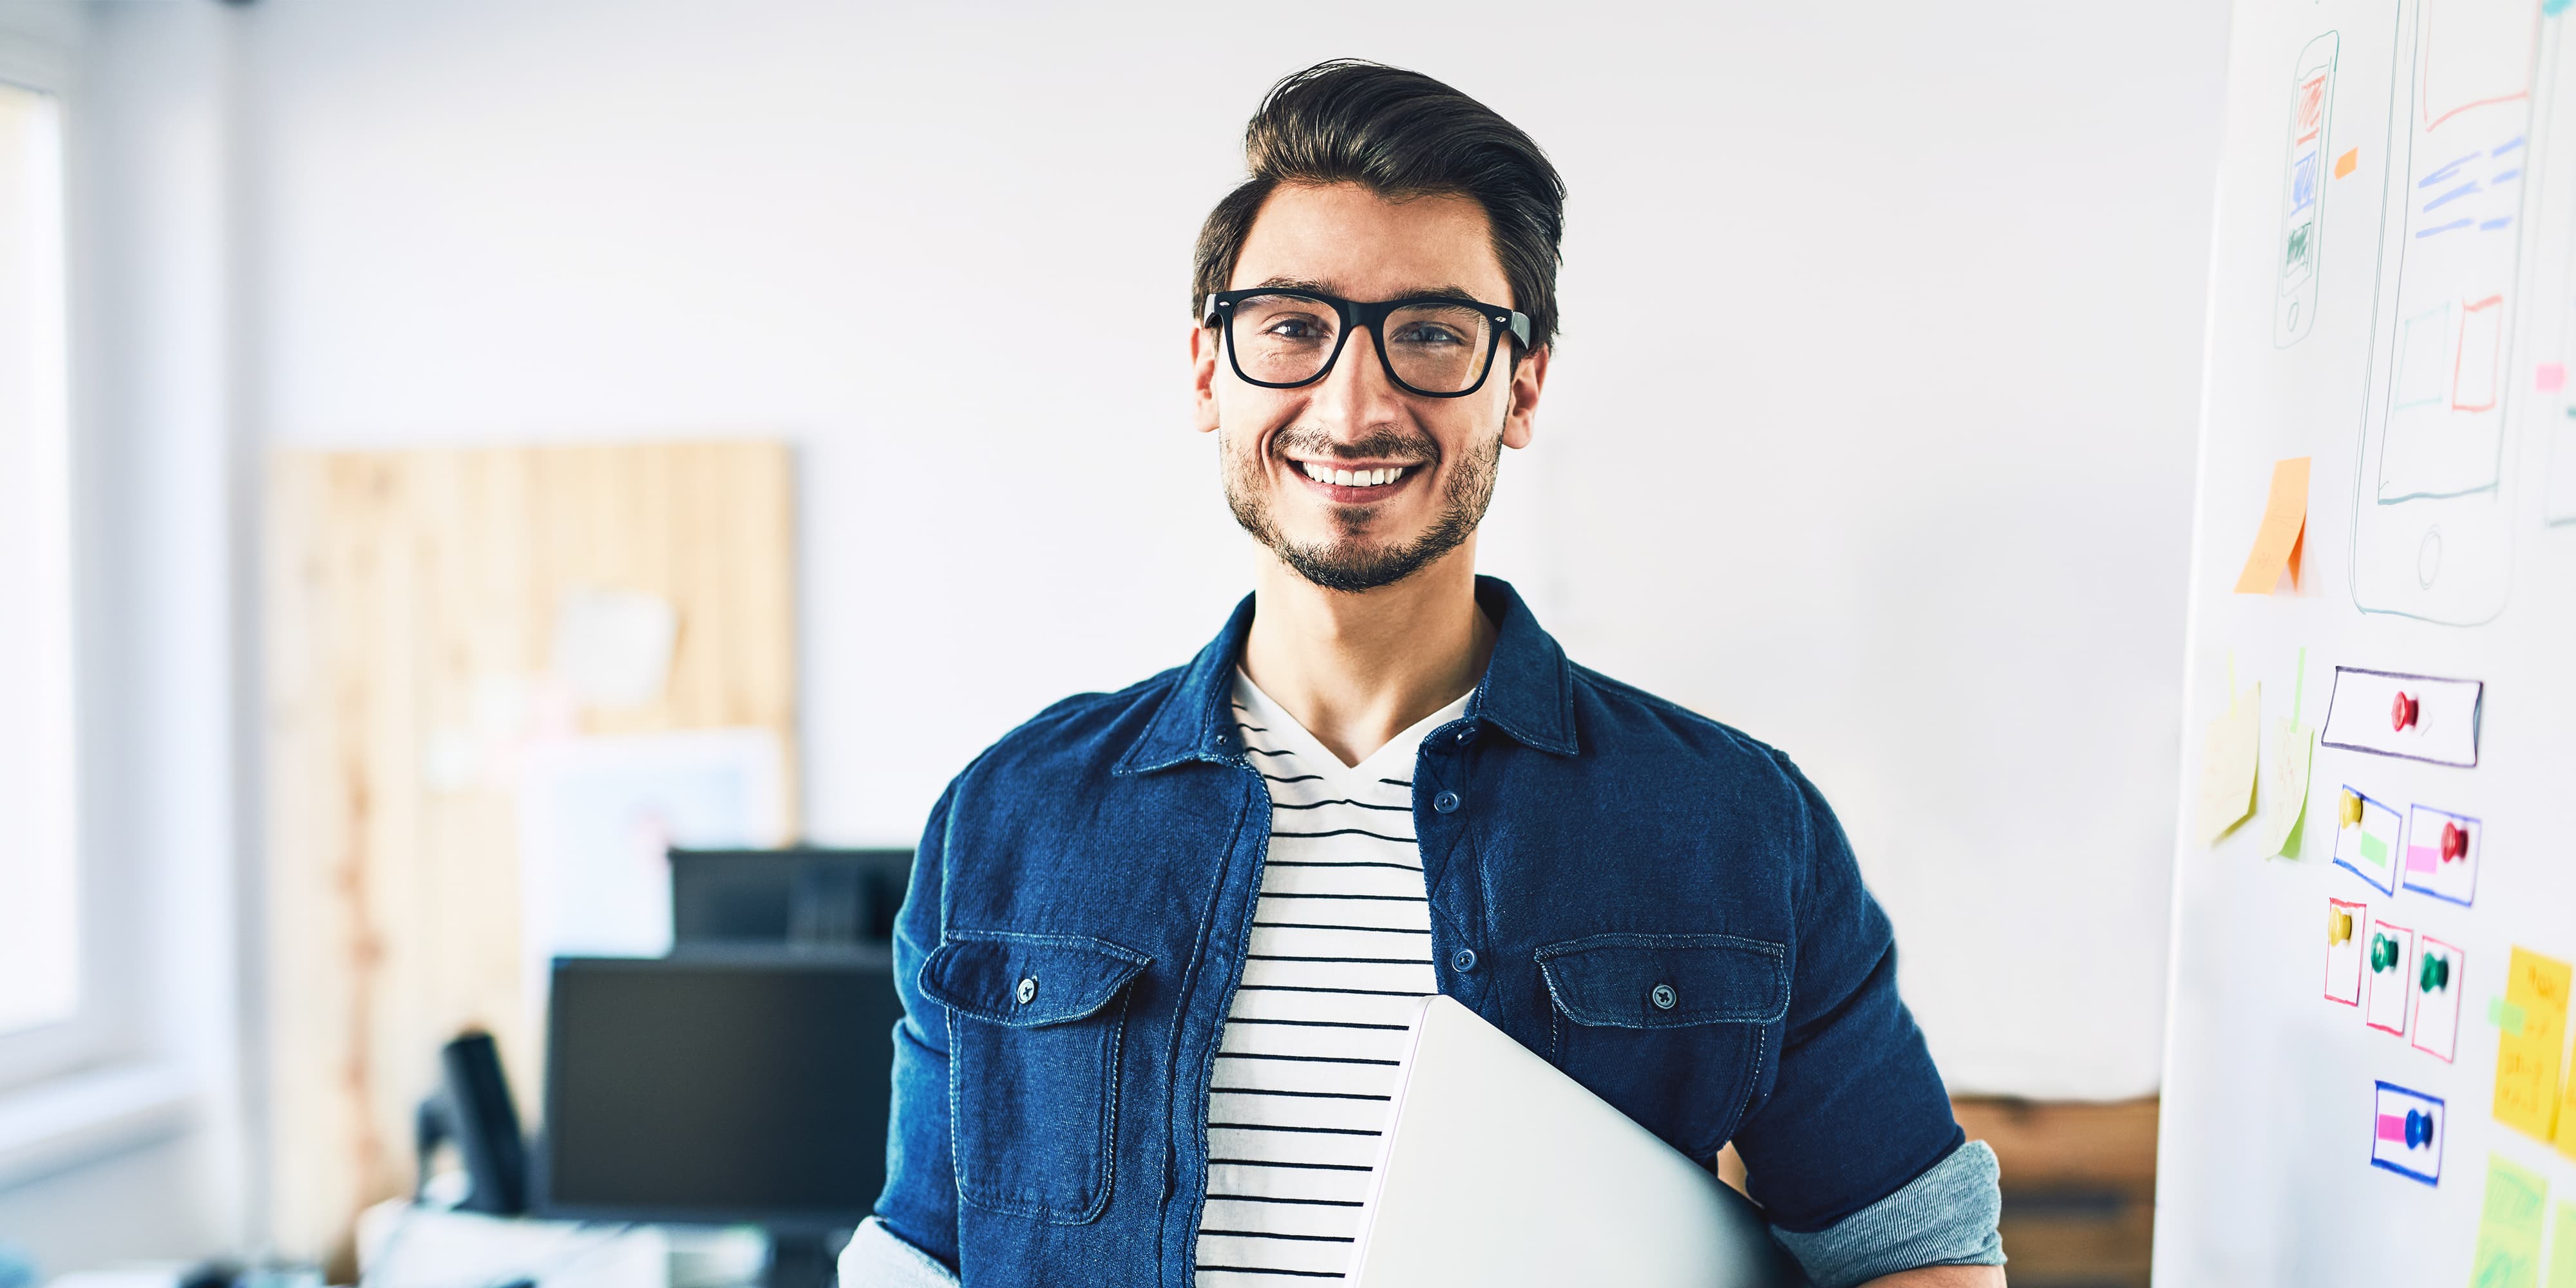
(1434,347)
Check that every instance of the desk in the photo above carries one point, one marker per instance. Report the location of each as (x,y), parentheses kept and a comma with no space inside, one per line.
(401,1245)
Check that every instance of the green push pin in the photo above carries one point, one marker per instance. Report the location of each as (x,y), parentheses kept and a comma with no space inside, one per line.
(2436,972)
(2383,952)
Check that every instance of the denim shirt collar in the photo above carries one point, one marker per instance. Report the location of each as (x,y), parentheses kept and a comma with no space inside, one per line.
(1527,691)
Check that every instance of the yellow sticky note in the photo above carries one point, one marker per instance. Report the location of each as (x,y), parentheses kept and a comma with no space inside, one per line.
(2227,764)
(2562,1242)
(2508,1250)
(2526,1079)
(2283,532)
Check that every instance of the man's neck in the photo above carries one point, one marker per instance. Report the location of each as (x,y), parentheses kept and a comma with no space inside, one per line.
(1358,669)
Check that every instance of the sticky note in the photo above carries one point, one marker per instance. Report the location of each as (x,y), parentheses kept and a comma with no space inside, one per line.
(2509,1220)
(2562,1241)
(2283,533)
(2227,764)
(2549,377)
(2284,790)
(2526,1078)
(2345,164)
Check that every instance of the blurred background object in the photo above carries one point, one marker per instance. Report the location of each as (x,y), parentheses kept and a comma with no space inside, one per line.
(450,454)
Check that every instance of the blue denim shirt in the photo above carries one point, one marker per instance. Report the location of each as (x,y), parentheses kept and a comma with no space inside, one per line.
(1084,891)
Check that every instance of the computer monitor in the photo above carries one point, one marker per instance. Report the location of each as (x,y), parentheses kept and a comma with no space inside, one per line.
(807,897)
(729,1087)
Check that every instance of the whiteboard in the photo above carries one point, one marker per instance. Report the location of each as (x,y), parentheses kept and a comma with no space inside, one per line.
(2390,297)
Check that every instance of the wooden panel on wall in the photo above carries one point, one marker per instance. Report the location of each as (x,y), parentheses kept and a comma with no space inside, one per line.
(411,602)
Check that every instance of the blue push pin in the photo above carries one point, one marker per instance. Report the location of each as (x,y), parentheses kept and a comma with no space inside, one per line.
(2419,1129)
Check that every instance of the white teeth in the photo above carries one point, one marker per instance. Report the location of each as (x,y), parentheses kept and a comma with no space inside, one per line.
(1322,473)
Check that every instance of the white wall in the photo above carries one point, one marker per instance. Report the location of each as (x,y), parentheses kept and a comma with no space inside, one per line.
(1871,431)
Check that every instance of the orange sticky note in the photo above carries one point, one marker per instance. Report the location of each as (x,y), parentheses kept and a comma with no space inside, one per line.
(2344,164)
(2284,532)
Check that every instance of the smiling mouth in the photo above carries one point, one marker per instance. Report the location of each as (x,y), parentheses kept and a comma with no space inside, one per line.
(1350,480)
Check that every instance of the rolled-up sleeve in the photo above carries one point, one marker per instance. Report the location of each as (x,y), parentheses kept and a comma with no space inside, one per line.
(1857,1113)
(919,1206)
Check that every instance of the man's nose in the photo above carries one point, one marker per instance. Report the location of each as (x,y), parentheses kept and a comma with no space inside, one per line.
(1357,394)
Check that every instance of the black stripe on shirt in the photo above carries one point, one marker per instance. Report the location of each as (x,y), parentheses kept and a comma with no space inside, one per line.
(1350,831)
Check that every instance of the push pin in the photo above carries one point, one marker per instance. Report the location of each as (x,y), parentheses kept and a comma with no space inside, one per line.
(2419,1129)
(2455,842)
(2338,925)
(2351,815)
(2436,973)
(2383,953)
(2401,713)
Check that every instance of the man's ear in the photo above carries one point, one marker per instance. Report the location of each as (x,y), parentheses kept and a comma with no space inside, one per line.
(1203,347)
(1520,419)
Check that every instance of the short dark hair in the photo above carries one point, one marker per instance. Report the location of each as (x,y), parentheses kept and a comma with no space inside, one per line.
(1399,134)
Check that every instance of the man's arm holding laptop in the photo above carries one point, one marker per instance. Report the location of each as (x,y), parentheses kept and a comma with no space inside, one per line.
(1862,1172)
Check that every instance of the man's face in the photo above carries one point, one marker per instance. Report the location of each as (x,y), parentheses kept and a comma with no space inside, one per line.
(1285,450)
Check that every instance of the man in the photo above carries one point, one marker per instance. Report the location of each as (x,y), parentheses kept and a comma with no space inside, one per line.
(1160,943)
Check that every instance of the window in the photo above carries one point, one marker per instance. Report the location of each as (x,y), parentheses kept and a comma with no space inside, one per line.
(40,949)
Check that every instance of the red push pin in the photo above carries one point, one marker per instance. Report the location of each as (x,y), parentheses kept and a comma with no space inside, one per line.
(2401,712)
(2455,842)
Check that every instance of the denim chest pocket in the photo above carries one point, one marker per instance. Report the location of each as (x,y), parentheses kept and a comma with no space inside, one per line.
(1670,1029)
(1035,1024)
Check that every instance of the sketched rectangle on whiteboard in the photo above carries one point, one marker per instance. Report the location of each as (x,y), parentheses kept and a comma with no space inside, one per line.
(2406,1132)
(2294,309)
(2442,851)
(2441,974)
(2347,926)
(2368,845)
(2391,955)
(2442,729)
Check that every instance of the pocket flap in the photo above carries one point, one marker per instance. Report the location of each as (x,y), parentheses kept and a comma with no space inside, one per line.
(1667,981)
(1026,981)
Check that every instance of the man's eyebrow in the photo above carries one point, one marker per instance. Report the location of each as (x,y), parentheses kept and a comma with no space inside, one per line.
(1435,291)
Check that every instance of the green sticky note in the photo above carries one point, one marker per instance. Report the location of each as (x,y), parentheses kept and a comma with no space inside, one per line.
(2504,1015)
(2508,1250)
(2373,848)
(2562,1240)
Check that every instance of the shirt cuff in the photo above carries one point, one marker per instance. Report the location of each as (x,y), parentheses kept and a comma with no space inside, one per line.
(1945,1217)
(877,1258)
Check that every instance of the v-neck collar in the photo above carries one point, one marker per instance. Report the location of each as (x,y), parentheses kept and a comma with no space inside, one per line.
(1392,761)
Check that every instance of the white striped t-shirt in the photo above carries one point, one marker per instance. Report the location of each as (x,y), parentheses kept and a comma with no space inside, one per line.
(1340,952)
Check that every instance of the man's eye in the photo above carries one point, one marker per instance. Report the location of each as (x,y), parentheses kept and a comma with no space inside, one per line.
(1423,333)
(1291,329)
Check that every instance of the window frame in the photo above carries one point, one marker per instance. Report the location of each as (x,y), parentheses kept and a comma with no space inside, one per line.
(105,1028)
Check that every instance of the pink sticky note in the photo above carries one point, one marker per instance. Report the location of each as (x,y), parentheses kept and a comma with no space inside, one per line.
(2392,1127)
(2423,858)
(2549,377)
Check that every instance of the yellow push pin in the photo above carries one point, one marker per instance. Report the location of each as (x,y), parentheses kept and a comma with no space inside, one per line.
(2338,925)
(2351,812)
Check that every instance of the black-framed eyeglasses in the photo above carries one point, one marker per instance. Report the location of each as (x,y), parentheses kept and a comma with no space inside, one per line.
(1435,346)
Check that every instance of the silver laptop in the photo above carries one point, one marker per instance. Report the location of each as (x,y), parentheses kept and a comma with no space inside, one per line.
(1499,1170)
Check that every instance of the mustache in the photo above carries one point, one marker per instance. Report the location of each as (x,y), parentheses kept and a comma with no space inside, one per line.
(1377,444)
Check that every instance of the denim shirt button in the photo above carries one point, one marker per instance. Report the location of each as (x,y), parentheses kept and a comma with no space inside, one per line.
(1463,961)
(1445,802)
(1029,990)
(1466,736)
(1663,997)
